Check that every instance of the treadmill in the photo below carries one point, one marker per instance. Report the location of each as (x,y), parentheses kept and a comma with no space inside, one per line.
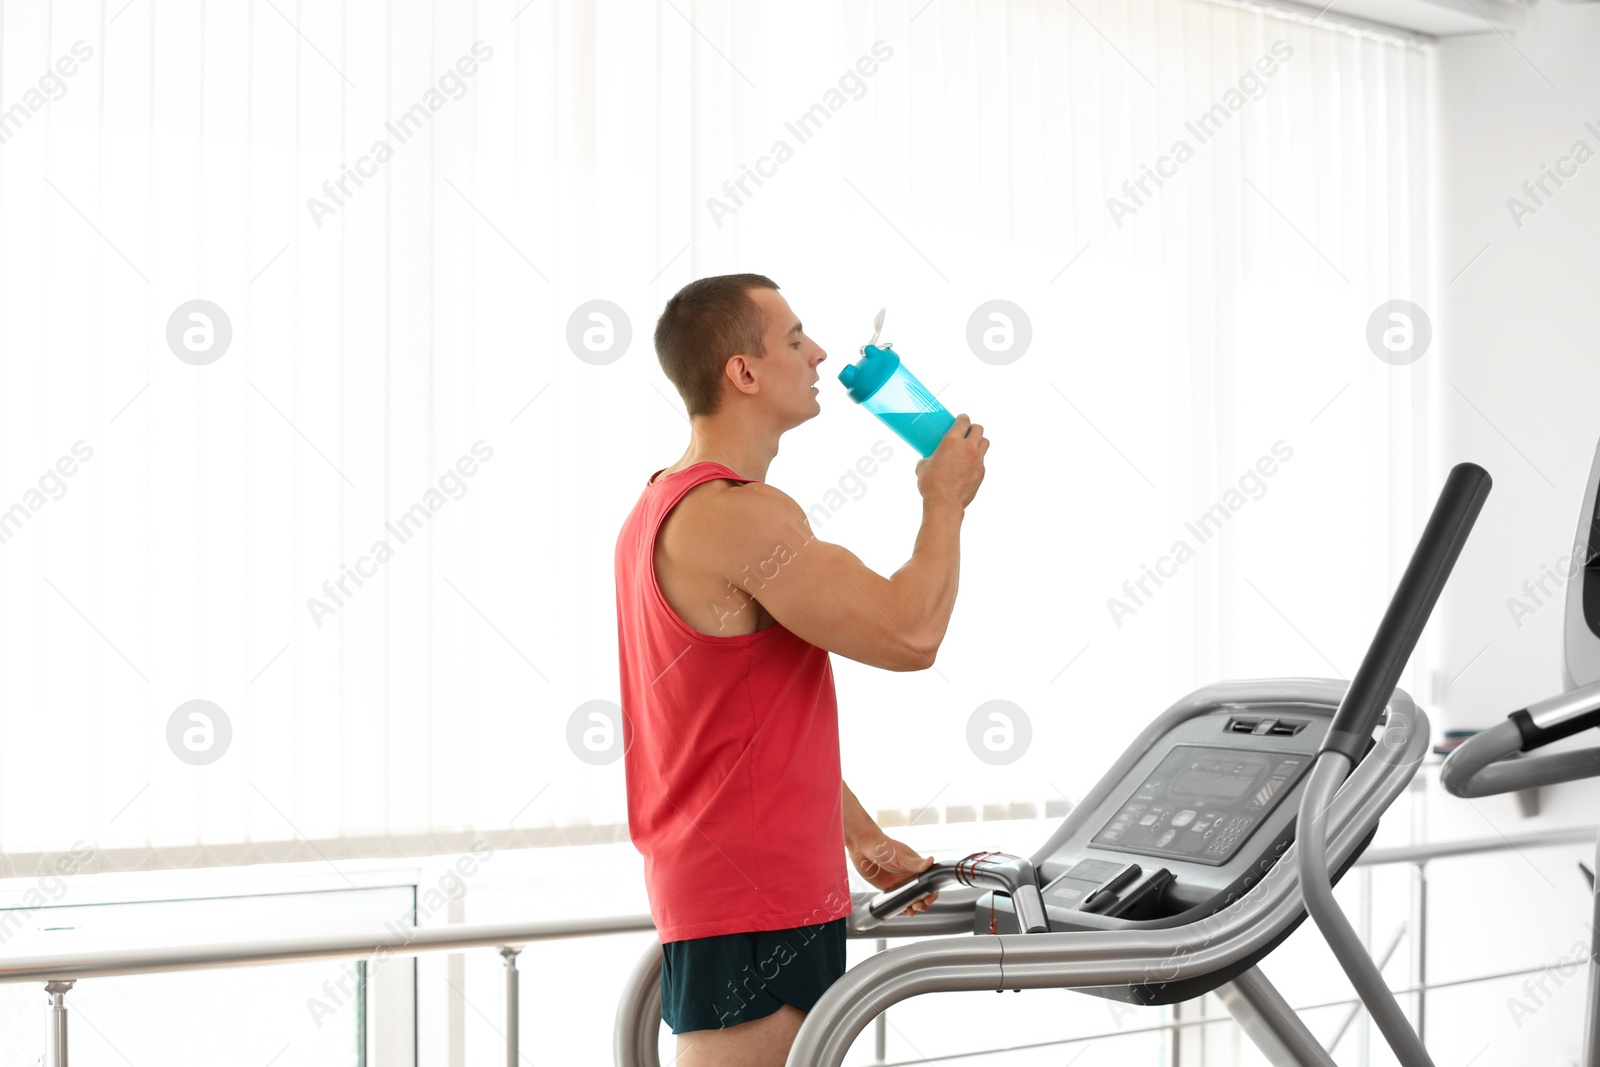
(1180,870)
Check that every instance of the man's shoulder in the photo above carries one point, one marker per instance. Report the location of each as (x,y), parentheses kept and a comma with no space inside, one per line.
(723,515)
(725,497)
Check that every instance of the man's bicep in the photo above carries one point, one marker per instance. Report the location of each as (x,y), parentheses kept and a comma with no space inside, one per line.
(825,595)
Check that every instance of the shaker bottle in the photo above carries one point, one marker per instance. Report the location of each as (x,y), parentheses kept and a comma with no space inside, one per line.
(883,385)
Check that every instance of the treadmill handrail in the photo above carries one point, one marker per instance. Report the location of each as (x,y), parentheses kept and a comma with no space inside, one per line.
(1474,768)
(998,871)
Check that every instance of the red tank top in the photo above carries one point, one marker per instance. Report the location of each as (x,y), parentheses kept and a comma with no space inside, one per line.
(732,754)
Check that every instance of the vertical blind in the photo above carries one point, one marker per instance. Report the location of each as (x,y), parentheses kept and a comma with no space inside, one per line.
(363,498)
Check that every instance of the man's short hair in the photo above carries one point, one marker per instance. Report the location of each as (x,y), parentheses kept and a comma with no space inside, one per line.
(702,326)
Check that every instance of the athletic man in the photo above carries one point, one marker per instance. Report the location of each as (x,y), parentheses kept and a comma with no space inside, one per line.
(727,609)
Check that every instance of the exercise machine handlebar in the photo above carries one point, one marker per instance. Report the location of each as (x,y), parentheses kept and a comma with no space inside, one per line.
(1351,730)
(1007,874)
(1435,555)
(1474,770)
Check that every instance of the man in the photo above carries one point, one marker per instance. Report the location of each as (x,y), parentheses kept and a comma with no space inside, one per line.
(727,610)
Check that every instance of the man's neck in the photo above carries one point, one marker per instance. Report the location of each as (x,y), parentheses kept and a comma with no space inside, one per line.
(744,449)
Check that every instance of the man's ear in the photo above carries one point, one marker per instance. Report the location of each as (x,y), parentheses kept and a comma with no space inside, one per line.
(737,370)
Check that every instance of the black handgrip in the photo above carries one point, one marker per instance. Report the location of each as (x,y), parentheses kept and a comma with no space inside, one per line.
(893,901)
(1535,736)
(1435,555)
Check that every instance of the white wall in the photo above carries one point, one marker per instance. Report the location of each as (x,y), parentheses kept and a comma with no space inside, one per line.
(1519,378)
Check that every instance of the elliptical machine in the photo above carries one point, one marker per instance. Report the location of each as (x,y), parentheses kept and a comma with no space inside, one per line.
(1475,768)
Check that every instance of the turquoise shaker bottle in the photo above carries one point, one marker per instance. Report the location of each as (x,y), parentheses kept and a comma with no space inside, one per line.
(881,383)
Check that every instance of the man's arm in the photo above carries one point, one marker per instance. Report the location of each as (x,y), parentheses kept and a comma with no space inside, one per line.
(882,861)
(826,595)
(758,539)
(859,827)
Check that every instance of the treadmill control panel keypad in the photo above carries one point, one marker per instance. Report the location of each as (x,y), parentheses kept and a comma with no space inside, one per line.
(1201,803)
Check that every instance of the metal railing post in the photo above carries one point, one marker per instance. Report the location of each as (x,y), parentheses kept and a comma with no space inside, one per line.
(512,1040)
(56,1037)
(1419,943)
(880,1025)
(1364,1048)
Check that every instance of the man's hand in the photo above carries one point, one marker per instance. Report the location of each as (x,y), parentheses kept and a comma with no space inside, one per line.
(955,470)
(882,861)
(887,863)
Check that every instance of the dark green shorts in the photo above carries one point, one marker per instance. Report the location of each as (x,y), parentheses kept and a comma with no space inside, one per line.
(708,983)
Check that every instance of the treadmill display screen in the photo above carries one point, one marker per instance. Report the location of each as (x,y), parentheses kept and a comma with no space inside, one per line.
(1200,804)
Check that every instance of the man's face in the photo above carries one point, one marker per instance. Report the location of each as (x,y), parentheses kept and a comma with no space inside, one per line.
(789,370)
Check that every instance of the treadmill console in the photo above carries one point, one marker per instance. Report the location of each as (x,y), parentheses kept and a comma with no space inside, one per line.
(1201,804)
(1190,825)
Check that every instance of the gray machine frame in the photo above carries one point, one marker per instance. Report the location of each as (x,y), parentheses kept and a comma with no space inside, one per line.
(1097,958)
